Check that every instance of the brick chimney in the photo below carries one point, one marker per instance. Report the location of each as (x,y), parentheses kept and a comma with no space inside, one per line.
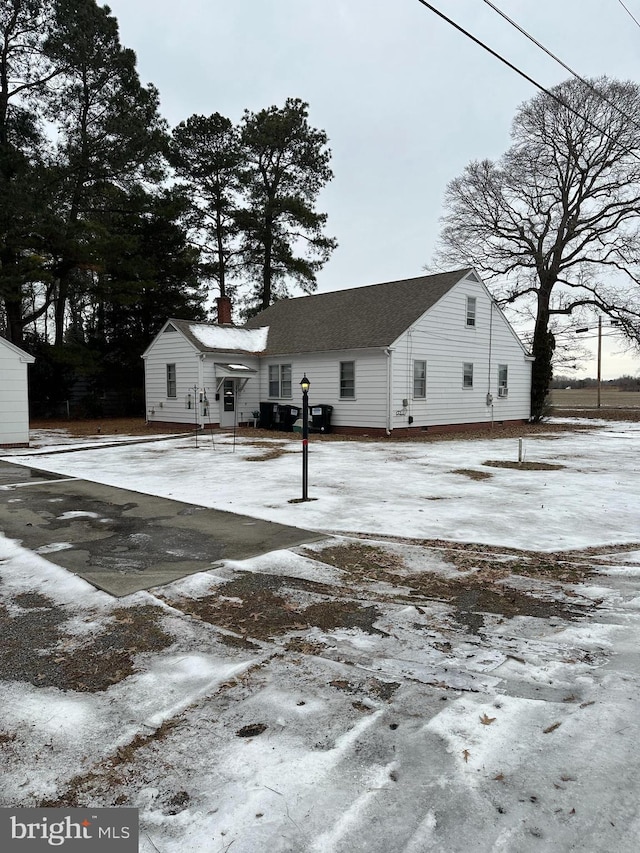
(224,310)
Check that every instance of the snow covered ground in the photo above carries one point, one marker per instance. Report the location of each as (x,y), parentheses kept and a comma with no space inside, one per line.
(419,681)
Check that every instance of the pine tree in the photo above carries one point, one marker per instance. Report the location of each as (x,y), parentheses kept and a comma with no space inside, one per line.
(207,158)
(286,165)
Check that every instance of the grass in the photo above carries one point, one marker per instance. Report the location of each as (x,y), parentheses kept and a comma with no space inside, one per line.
(580,398)
(472,474)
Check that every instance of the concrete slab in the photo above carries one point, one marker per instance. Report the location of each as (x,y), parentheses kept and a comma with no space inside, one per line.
(123,541)
(10,473)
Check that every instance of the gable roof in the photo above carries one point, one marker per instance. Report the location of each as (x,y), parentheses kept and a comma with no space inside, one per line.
(371,316)
(24,357)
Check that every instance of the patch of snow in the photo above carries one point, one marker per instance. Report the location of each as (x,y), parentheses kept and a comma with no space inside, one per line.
(77,513)
(229,338)
(521,737)
(53,547)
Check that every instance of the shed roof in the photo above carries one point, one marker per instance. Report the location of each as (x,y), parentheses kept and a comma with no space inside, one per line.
(362,317)
(24,357)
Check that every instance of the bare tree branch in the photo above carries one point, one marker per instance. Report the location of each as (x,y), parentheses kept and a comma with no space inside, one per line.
(558,214)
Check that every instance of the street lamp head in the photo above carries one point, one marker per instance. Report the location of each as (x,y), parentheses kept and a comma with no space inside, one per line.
(304,384)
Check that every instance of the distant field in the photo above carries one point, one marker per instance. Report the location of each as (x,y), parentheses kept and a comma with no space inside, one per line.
(587,398)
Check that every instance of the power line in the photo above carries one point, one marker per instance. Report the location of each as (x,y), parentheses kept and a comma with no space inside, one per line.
(528,78)
(560,62)
(629,13)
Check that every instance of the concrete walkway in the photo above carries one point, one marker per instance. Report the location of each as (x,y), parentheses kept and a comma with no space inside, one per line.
(123,541)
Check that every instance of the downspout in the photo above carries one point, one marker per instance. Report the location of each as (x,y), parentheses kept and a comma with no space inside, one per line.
(147,408)
(489,394)
(388,351)
(201,389)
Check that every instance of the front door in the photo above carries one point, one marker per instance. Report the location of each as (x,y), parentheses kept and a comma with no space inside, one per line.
(228,401)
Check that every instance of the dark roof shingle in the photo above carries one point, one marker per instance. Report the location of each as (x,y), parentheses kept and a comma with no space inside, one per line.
(371,316)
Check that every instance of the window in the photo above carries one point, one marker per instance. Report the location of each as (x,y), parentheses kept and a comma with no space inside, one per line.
(347,379)
(419,379)
(467,375)
(171,380)
(285,380)
(471,310)
(279,380)
(503,380)
(274,380)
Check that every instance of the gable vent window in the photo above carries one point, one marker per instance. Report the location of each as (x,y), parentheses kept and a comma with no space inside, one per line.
(471,310)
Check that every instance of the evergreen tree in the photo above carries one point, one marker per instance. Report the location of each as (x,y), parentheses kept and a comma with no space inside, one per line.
(110,136)
(25,216)
(286,165)
(207,158)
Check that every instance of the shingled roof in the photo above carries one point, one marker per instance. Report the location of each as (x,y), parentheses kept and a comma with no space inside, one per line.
(372,316)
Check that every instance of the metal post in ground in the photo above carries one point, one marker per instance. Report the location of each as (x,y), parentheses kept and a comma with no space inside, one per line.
(304,384)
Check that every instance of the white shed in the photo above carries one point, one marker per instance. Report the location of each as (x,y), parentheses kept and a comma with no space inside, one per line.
(14,395)
(432,352)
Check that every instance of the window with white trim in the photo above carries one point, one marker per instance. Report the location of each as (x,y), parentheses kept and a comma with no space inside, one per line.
(471,310)
(347,380)
(419,380)
(467,374)
(503,380)
(171,381)
(280,380)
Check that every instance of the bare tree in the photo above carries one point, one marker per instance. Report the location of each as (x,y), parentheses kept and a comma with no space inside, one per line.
(556,221)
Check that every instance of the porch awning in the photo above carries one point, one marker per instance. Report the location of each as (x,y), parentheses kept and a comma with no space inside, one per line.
(234,371)
(240,372)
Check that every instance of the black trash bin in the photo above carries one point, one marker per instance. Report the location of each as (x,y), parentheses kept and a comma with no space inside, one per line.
(320,420)
(268,415)
(287,416)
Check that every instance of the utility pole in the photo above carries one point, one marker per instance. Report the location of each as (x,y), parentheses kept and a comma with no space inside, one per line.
(599,356)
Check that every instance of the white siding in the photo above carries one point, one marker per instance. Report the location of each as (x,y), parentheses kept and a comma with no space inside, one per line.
(193,370)
(367,409)
(248,398)
(442,338)
(14,403)
(170,348)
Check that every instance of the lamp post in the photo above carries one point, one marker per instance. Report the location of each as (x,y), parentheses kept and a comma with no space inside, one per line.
(304,384)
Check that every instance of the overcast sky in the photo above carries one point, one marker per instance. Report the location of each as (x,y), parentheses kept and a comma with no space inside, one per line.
(406,100)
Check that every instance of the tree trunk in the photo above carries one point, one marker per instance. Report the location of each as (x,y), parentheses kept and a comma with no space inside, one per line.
(267,272)
(15,325)
(543,347)
(60,305)
(222,263)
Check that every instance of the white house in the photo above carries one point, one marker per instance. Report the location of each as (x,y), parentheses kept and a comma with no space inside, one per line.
(14,400)
(422,353)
